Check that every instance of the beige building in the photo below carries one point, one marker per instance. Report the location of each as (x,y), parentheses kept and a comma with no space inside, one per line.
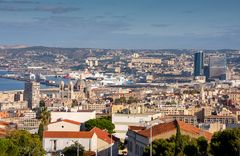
(189,119)
(98,107)
(11,96)
(29,124)
(221,119)
(235,97)
(13,105)
(147,60)
(6,96)
(174,110)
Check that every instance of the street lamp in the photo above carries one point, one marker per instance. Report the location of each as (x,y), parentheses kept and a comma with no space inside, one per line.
(111,145)
(151,139)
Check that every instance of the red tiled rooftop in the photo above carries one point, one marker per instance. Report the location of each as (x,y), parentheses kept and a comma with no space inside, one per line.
(102,135)
(192,129)
(3,132)
(158,129)
(166,127)
(136,128)
(4,123)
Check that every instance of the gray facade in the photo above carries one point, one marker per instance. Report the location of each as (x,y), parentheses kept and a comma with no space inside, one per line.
(32,94)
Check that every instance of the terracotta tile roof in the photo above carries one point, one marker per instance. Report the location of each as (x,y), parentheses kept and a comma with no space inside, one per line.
(136,128)
(192,129)
(3,132)
(166,127)
(102,135)
(67,120)
(82,134)
(158,129)
(4,123)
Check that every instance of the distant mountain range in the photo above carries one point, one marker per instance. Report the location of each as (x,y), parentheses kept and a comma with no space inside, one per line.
(12,46)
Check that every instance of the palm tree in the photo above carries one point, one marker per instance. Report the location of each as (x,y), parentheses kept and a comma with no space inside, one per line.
(45,117)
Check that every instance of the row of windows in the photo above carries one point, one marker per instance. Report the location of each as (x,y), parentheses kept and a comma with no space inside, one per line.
(221,120)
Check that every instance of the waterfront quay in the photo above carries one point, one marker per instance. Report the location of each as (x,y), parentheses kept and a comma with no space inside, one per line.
(44,82)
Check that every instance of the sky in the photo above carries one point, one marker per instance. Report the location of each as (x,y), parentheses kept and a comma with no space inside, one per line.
(130,24)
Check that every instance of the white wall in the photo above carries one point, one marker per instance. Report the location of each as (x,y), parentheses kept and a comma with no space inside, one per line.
(63,126)
(94,144)
(122,121)
(61,143)
(76,116)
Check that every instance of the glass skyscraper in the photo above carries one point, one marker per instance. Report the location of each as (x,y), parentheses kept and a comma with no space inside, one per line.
(218,67)
(198,64)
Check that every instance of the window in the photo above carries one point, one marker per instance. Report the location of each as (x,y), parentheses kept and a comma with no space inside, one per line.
(54,145)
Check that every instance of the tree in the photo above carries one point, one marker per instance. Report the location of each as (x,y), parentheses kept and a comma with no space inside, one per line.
(131,100)
(178,142)
(42,104)
(226,142)
(202,146)
(121,146)
(40,131)
(101,123)
(191,150)
(74,102)
(160,147)
(121,100)
(73,149)
(7,148)
(45,117)
(26,143)
(45,120)
(117,101)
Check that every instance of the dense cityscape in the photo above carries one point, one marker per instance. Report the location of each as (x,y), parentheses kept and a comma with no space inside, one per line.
(119,78)
(142,94)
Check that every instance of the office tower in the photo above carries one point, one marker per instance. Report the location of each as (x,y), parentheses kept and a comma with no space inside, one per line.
(198,64)
(218,67)
(206,71)
(32,94)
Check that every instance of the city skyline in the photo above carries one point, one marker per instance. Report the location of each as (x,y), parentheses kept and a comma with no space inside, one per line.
(121,24)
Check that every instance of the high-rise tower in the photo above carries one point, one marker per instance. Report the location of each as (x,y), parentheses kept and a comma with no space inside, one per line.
(198,64)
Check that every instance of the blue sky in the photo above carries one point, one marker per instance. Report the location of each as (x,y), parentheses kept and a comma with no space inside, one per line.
(153,24)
